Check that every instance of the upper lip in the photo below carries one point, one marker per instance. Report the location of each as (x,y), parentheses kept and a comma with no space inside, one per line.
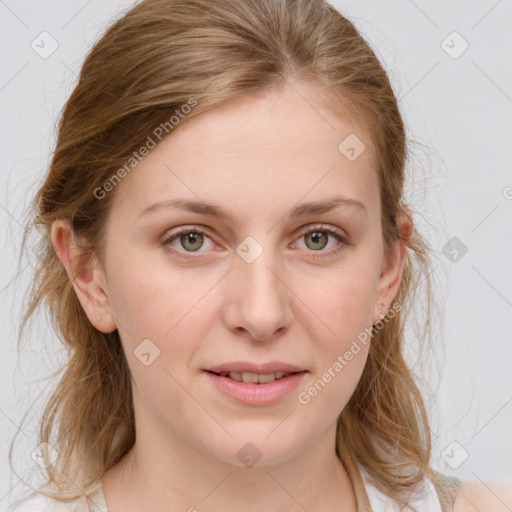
(242,366)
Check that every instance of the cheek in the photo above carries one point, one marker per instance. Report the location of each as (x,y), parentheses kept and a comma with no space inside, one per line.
(340,330)
(153,300)
(162,319)
(342,302)
(164,314)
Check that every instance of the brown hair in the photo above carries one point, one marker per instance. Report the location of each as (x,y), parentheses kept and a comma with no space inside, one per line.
(147,65)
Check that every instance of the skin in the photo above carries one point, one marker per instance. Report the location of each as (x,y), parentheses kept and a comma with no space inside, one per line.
(480,497)
(256,157)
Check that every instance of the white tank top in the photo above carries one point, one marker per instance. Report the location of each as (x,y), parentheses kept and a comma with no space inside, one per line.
(425,500)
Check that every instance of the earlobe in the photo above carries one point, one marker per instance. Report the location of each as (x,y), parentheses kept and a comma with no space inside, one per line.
(87,279)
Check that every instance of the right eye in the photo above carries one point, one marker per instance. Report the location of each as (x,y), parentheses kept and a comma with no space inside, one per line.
(190,240)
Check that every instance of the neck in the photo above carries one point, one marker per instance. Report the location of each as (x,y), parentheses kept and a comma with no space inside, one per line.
(164,471)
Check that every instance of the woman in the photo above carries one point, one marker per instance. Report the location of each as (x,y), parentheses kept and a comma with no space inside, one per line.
(230,262)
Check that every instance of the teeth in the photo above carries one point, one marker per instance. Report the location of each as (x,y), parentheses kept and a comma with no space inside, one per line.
(261,378)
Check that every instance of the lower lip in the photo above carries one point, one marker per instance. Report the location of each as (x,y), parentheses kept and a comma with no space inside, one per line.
(251,393)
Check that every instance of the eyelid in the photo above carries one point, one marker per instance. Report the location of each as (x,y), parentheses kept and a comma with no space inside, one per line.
(310,228)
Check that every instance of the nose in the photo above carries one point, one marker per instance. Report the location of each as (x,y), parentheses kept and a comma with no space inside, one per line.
(259,300)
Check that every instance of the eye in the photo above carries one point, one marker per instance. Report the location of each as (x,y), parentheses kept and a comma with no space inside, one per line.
(192,238)
(189,239)
(317,238)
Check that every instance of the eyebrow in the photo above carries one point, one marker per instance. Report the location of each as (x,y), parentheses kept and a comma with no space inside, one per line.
(301,210)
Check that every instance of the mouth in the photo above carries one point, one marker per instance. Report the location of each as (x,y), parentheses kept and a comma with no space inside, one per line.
(255,389)
(255,378)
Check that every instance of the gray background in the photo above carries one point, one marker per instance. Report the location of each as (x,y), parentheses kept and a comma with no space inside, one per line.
(457,106)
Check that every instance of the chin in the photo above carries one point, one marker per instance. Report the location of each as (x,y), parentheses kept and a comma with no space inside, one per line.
(257,450)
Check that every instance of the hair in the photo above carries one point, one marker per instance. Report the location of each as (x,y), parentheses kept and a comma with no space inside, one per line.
(148,64)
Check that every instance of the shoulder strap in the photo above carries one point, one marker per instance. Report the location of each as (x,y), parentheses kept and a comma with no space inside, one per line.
(447,488)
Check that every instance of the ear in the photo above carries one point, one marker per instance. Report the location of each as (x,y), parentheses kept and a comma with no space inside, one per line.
(392,268)
(89,282)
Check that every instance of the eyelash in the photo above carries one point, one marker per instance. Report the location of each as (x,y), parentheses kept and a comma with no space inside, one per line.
(196,229)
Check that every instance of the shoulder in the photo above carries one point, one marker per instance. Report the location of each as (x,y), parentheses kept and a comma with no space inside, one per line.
(480,497)
(42,503)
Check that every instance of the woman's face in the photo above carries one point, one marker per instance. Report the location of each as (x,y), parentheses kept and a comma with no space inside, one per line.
(252,286)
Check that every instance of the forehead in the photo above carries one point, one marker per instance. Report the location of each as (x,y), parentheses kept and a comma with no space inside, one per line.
(292,120)
(260,151)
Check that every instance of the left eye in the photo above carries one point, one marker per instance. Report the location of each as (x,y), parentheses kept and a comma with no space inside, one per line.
(192,240)
(319,238)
